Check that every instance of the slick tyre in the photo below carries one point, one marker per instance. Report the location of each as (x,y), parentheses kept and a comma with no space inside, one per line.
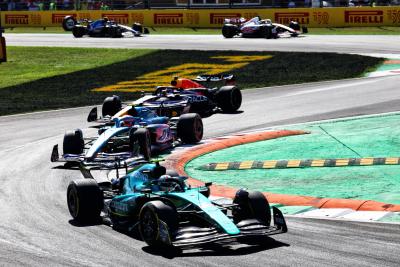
(228,31)
(294,25)
(73,142)
(229,98)
(158,223)
(78,32)
(115,32)
(141,138)
(251,205)
(85,200)
(266,32)
(137,27)
(68,23)
(111,105)
(190,128)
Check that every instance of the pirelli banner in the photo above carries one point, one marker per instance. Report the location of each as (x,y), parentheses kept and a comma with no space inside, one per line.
(312,17)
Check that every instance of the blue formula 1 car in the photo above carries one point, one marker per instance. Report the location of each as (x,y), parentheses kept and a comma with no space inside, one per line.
(183,96)
(101,28)
(167,212)
(137,134)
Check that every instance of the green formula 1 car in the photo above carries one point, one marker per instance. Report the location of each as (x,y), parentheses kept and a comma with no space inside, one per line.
(167,212)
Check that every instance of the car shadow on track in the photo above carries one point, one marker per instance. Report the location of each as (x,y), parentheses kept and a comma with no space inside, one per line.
(243,248)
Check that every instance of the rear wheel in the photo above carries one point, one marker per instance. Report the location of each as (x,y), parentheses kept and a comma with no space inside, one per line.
(190,128)
(85,200)
(73,142)
(111,106)
(158,223)
(228,31)
(229,98)
(294,25)
(68,23)
(140,138)
(251,205)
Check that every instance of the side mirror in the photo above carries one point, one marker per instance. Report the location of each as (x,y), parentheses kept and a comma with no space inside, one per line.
(92,115)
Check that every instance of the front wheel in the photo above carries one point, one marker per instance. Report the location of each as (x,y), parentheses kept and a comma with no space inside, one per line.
(85,200)
(73,142)
(158,223)
(140,138)
(251,205)
(190,128)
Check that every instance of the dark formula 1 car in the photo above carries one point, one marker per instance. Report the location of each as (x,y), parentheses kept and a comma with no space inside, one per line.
(185,96)
(100,28)
(139,133)
(257,27)
(167,212)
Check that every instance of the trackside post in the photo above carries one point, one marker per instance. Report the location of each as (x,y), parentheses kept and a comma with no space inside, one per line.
(3,55)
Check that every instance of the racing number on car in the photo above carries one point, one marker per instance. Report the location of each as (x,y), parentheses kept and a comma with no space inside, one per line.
(197,99)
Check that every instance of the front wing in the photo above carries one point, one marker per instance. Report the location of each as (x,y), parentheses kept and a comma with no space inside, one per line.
(194,236)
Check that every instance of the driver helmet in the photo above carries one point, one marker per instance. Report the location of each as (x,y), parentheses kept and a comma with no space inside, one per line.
(127,121)
(105,19)
(164,177)
(268,21)
(162,182)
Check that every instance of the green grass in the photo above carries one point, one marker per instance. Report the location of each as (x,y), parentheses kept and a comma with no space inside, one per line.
(174,30)
(372,136)
(38,78)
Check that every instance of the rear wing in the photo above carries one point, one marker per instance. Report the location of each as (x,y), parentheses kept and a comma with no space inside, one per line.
(235,21)
(205,79)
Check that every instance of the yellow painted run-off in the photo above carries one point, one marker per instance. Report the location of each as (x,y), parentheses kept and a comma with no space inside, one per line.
(294,163)
(212,18)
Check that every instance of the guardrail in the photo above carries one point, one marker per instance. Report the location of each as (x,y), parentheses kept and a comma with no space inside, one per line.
(213,18)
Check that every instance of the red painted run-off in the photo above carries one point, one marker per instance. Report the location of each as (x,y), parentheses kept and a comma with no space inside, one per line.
(178,161)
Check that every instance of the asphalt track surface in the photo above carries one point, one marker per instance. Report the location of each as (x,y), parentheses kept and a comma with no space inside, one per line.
(35,226)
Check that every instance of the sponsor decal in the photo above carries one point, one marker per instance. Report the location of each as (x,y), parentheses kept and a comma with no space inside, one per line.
(321,17)
(57,18)
(170,18)
(138,17)
(218,18)
(192,18)
(363,16)
(149,81)
(20,19)
(118,18)
(287,17)
(394,16)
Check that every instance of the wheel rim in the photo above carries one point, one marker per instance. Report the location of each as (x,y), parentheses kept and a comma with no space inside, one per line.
(73,205)
(149,226)
(198,129)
